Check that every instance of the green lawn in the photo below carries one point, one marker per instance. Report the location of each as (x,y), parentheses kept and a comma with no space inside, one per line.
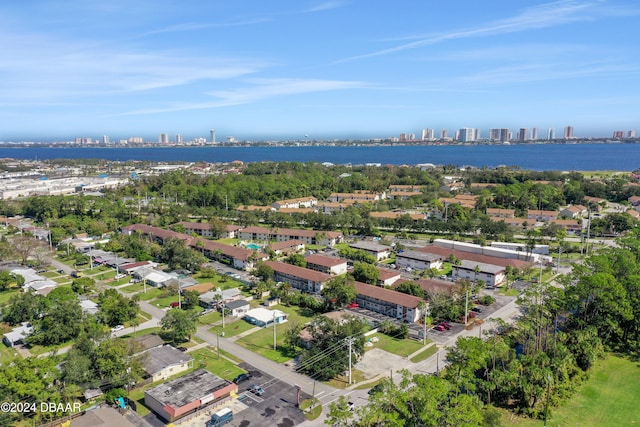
(208,359)
(401,347)
(261,342)
(151,293)
(608,398)
(210,318)
(166,301)
(424,355)
(5,296)
(233,329)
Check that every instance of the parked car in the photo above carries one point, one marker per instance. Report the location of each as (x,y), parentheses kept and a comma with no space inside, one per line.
(476,309)
(117,328)
(445,325)
(256,389)
(206,311)
(439,328)
(182,349)
(353,305)
(175,304)
(242,377)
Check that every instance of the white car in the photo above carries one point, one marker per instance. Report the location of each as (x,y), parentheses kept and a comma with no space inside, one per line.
(117,328)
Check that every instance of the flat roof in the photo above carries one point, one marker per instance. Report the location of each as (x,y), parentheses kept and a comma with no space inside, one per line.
(158,358)
(188,388)
(419,256)
(370,246)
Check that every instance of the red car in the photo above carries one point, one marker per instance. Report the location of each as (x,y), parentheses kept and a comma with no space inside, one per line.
(439,328)
(353,305)
(175,304)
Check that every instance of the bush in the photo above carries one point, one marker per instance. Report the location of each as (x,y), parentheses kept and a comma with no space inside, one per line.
(486,300)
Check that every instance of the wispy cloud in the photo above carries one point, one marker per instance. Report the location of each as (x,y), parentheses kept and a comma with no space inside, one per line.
(537,17)
(518,74)
(258,90)
(197,26)
(324,6)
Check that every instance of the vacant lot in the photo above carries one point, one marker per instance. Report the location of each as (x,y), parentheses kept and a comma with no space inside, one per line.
(608,398)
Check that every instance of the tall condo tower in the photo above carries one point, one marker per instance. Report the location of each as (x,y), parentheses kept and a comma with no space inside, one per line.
(551,134)
(212,134)
(568,132)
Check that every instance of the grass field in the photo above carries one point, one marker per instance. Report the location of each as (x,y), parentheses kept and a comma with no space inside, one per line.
(261,342)
(400,347)
(208,359)
(608,399)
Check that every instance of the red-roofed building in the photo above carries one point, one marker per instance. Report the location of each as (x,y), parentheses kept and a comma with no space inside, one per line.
(326,264)
(310,237)
(388,302)
(306,280)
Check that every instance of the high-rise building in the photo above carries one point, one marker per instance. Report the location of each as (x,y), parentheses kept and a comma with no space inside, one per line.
(178,138)
(631,134)
(551,134)
(105,139)
(163,138)
(568,132)
(618,134)
(522,134)
(428,134)
(500,134)
(444,133)
(212,135)
(534,134)
(468,134)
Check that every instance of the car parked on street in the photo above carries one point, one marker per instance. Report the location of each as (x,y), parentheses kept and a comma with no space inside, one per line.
(117,328)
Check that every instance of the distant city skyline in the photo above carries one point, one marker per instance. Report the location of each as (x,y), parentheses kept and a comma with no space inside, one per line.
(316,70)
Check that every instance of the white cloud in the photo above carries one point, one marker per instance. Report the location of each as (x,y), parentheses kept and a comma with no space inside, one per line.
(257,90)
(533,18)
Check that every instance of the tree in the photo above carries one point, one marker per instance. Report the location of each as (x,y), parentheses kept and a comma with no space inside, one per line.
(329,354)
(218,227)
(179,325)
(340,413)
(24,307)
(292,335)
(176,254)
(340,290)
(296,259)
(263,271)
(25,246)
(9,280)
(190,299)
(116,309)
(366,273)
(83,285)
(411,288)
(62,321)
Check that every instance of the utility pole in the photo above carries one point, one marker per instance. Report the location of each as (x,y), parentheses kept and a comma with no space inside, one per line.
(427,313)
(466,307)
(274,330)
(349,343)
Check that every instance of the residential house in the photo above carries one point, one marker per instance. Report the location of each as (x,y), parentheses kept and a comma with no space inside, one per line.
(162,362)
(541,215)
(287,247)
(396,215)
(211,299)
(570,225)
(634,200)
(358,196)
(396,305)
(501,213)
(300,278)
(187,394)
(238,308)
(405,188)
(17,335)
(309,237)
(418,260)
(519,224)
(492,275)
(326,264)
(388,277)
(574,211)
(263,317)
(301,202)
(378,251)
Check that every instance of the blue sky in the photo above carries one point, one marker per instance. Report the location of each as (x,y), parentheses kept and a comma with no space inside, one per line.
(260,69)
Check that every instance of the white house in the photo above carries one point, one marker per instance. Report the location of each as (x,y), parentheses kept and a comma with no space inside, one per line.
(492,275)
